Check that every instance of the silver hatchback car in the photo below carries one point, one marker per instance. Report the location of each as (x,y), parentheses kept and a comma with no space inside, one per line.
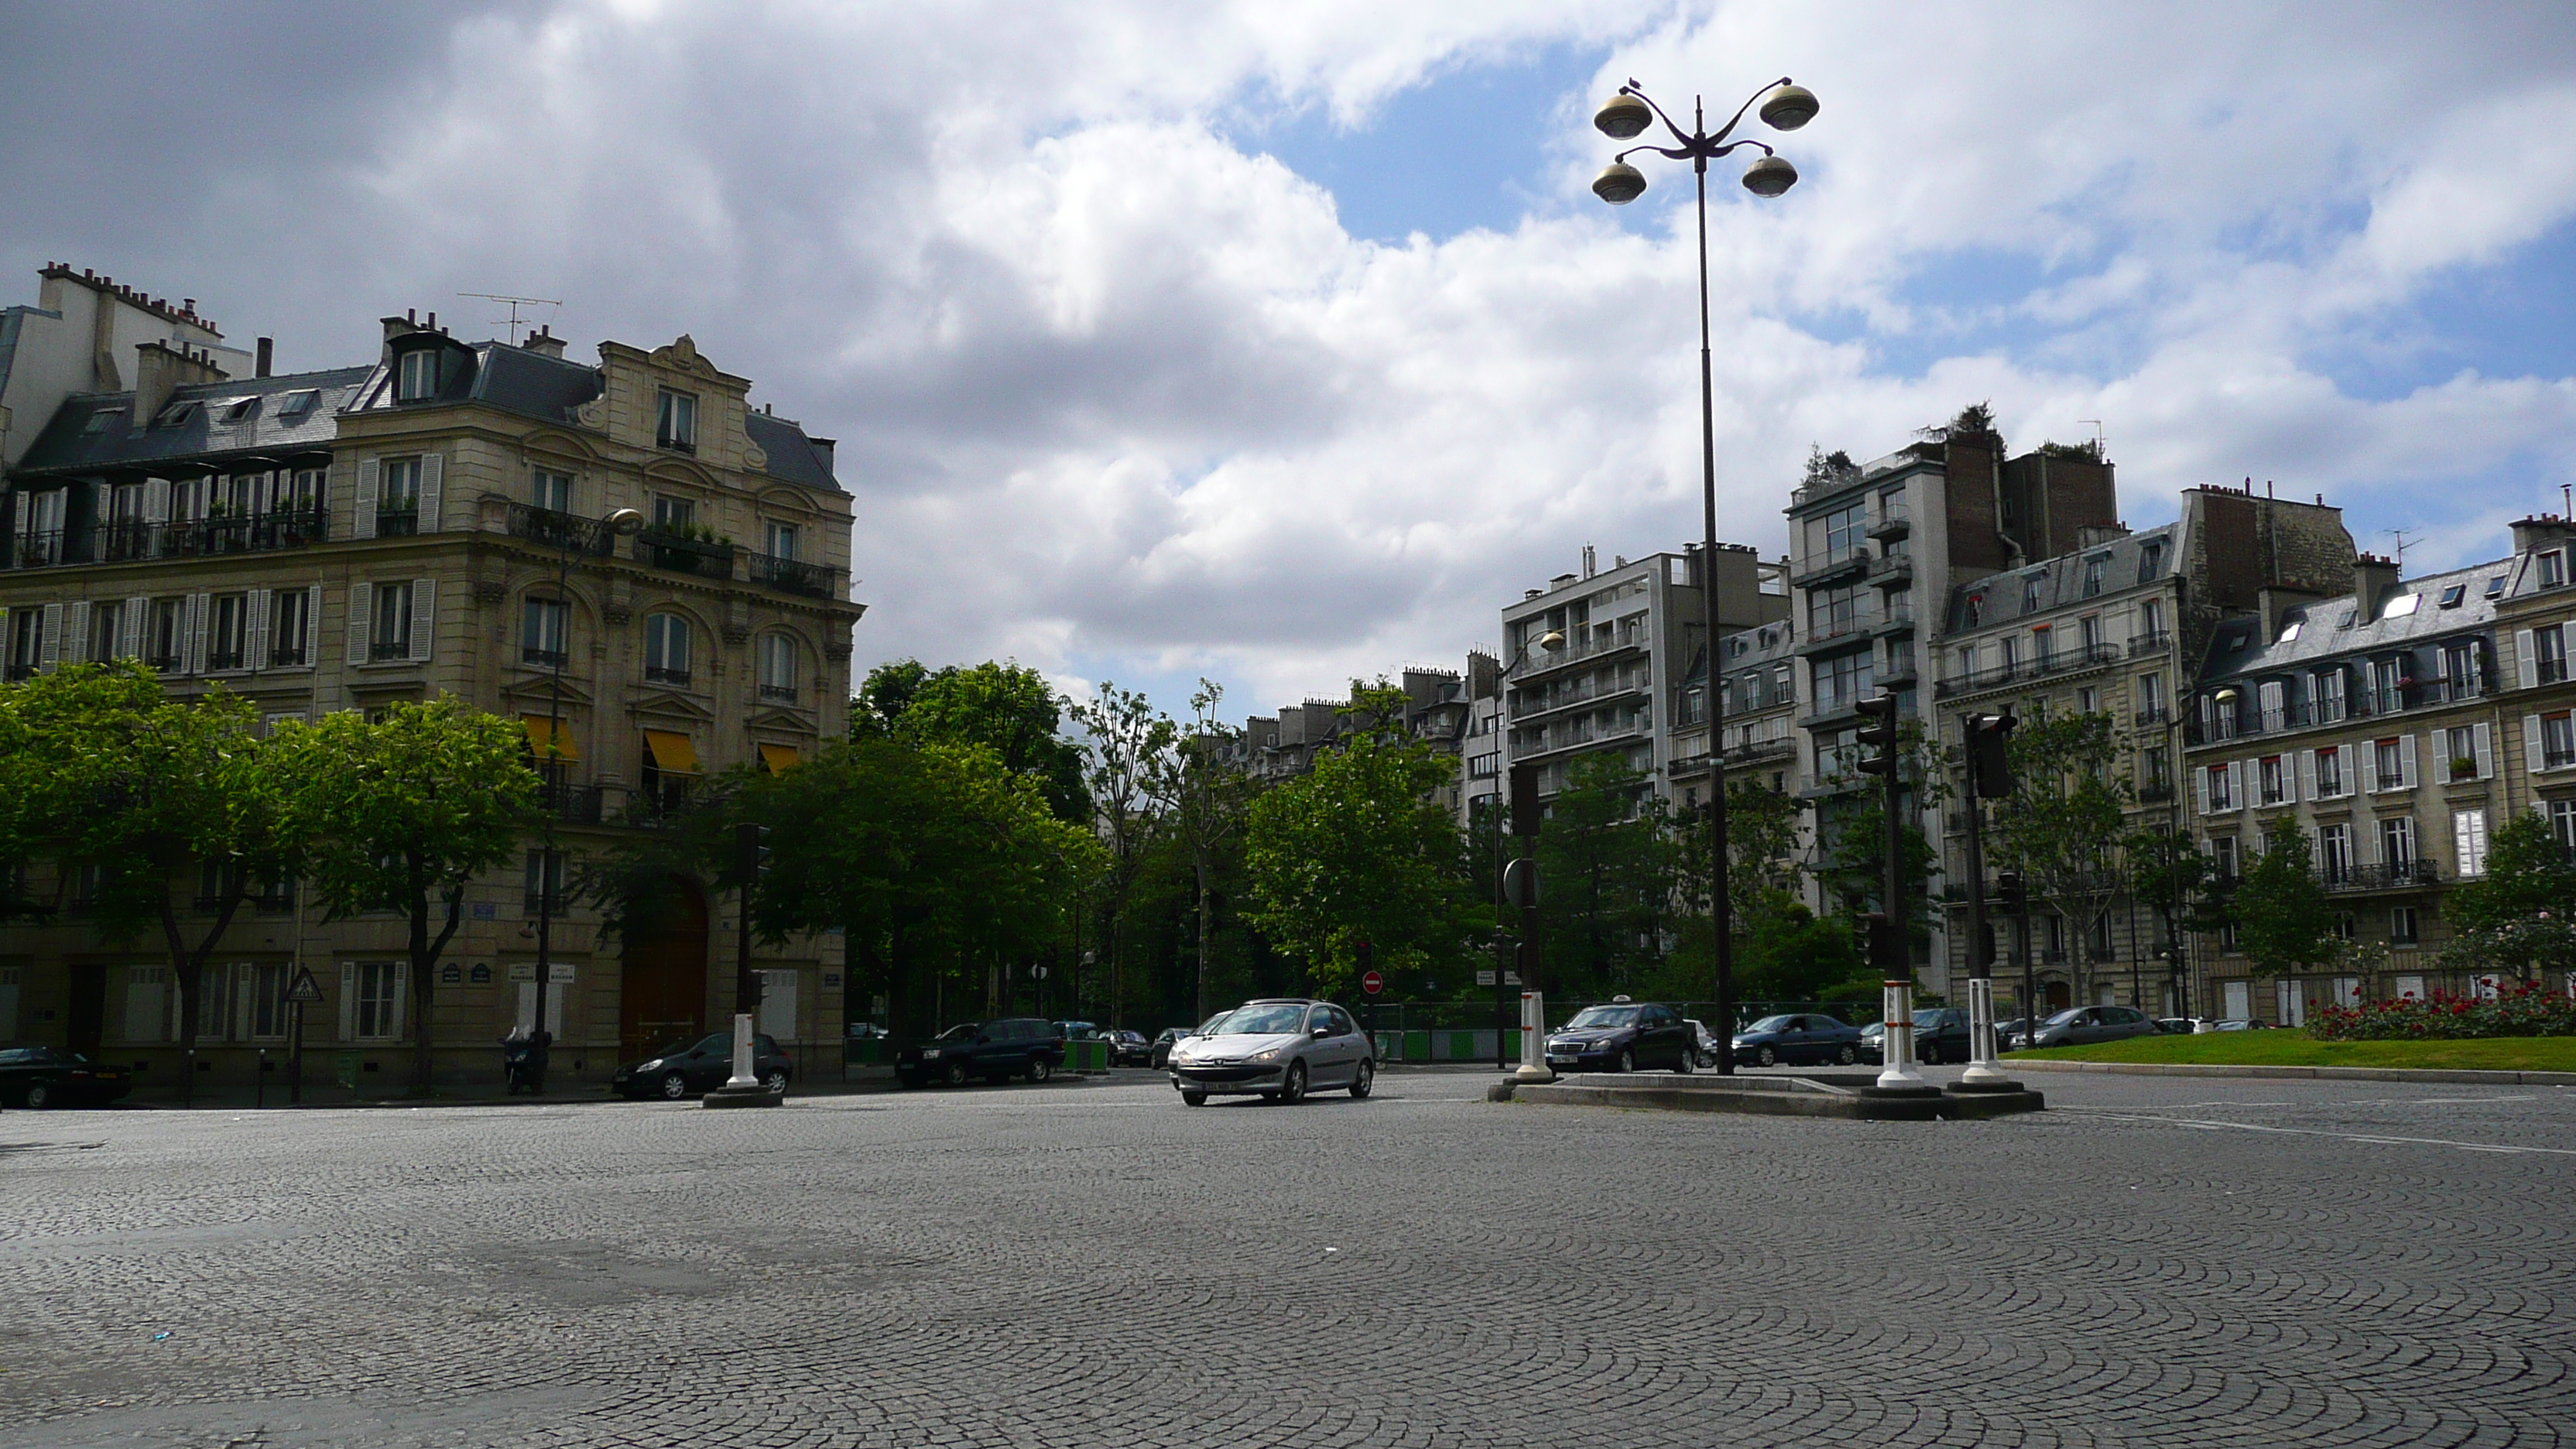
(1280,1048)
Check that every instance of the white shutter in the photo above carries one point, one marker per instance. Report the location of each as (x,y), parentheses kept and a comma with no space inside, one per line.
(255,631)
(49,637)
(424,616)
(2290,779)
(362,604)
(2200,782)
(199,607)
(348,1002)
(2482,736)
(156,500)
(76,631)
(2236,783)
(362,507)
(2531,743)
(129,638)
(431,466)
(2406,762)
(2308,773)
(2365,842)
(312,625)
(402,1000)
(2524,662)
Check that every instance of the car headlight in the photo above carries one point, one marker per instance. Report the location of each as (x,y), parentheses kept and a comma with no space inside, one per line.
(648,1066)
(1271,1055)
(930,1054)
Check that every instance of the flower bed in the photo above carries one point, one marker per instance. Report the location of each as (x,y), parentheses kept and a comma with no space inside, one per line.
(2530,1009)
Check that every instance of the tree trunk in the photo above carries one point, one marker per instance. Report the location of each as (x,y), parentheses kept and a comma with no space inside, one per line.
(424,953)
(1199,864)
(188,968)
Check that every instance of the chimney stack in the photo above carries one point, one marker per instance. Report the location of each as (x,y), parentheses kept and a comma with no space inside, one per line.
(544,343)
(267,355)
(2373,580)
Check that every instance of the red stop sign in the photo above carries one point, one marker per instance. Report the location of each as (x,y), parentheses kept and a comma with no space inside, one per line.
(1372,983)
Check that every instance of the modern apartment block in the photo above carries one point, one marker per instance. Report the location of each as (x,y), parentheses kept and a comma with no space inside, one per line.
(2398,724)
(1630,636)
(394,530)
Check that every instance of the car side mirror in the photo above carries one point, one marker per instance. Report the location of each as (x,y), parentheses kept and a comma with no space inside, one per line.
(1323,1031)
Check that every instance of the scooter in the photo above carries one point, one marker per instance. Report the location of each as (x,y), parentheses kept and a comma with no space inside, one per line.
(523,1062)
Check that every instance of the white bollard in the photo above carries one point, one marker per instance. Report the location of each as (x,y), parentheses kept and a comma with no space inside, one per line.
(746,1071)
(1896,1047)
(1981,1032)
(1534,1066)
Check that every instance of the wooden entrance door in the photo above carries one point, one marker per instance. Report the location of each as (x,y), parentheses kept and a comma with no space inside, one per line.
(662,997)
(86,1022)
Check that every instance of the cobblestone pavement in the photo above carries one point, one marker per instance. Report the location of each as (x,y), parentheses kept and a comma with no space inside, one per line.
(2156,1261)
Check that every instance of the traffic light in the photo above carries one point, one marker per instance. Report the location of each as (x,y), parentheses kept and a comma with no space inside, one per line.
(1525,800)
(1886,943)
(1368,956)
(750,853)
(1520,883)
(2010,893)
(1878,732)
(1989,772)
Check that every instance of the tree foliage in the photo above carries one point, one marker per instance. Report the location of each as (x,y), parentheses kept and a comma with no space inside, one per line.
(1610,860)
(2284,920)
(1008,709)
(2522,912)
(2063,825)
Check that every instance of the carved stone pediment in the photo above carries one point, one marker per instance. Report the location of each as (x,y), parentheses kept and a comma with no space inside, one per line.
(682,356)
(665,705)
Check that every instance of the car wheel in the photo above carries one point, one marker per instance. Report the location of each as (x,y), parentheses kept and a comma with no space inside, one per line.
(1364,1080)
(38,1097)
(1292,1087)
(1765,1056)
(776,1081)
(956,1074)
(674,1087)
(1194,1099)
(1627,1060)
(1040,1069)
(1848,1055)
(1682,1064)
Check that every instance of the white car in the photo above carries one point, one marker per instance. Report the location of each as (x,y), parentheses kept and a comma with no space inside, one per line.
(1280,1048)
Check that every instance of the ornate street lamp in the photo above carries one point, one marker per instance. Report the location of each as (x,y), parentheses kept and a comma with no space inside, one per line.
(1785,107)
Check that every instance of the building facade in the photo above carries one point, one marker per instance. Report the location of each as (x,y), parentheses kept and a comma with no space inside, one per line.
(428,523)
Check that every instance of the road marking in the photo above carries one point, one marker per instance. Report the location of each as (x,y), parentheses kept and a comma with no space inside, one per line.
(2307,1106)
(2212,1125)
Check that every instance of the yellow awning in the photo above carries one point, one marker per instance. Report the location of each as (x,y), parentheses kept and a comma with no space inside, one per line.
(541,729)
(779,758)
(671,752)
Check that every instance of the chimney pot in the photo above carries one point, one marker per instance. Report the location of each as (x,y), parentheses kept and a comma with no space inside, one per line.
(267,353)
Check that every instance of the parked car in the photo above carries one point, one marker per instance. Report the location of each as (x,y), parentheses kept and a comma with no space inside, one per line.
(1077,1030)
(864,1030)
(41,1077)
(1940,1036)
(693,1069)
(2084,1025)
(1174,1035)
(2176,1025)
(994,1051)
(1794,1037)
(1280,1048)
(1621,1037)
(2238,1023)
(1704,1039)
(1128,1048)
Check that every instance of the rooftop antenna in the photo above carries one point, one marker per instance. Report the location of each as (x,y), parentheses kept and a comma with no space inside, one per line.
(2400,535)
(513,321)
(2101,445)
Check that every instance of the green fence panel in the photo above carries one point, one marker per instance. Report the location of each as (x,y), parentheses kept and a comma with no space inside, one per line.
(1417,1046)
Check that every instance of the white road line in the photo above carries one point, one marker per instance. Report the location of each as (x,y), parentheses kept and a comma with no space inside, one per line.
(2207,1124)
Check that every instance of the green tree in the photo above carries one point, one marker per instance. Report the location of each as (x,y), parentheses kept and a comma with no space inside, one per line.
(1130,746)
(2063,825)
(401,813)
(1210,799)
(2284,921)
(1355,851)
(1789,954)
(1610,865)
(1007,708)
(2522,912)
(1761,846)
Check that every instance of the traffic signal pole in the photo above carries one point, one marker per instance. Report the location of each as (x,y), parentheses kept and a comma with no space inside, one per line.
(1522,886)
(1889,947)
(1989,777)
(744,1088)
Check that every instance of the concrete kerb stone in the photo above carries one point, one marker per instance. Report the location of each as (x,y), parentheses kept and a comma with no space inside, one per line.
(1851,1099)
(2344,1074)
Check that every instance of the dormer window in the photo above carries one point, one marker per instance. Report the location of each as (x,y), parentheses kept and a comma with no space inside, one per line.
(173,414)
(297,403)
(2495,587)
(2093,568)
(676,422)
(2553,569)
(239,410)
(102,420)
(416,375)
(2030,592)
(2452,596)
(2151,561)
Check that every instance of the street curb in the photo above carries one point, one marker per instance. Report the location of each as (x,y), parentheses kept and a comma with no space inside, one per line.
(1771,1097)
(2342,1074)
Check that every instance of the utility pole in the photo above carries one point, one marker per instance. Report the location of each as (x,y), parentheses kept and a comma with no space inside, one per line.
(1890,950)
(1989,778)
(744,1088)
(1520,882)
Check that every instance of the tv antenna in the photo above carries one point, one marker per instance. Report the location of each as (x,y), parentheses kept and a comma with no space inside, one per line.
(514,321)
(2101,445)
(2400,535)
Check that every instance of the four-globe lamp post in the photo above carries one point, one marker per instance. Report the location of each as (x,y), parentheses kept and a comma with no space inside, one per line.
(1784,107)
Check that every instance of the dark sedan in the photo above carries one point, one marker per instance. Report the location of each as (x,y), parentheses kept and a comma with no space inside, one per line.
(41,1077)
(1128,1048)
(1940,1035)
(992,1051)
(1796,1037)
(693,1069)
(1622,1037)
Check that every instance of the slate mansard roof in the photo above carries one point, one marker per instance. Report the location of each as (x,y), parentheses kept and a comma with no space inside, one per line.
(2062,580)
(2335,629)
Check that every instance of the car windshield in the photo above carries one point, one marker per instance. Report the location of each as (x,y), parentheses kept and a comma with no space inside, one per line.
(1267,1020)
(1604,1016)
(1772,1023)
(1932,1017)
(963,1031)
(2063,1017)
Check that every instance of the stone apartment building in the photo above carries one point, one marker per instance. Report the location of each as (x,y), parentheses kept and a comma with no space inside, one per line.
(394,530)
(2397,724)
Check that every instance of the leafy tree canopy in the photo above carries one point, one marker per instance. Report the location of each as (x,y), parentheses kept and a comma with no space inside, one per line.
(2522,912)
(1007,709)
(2284,921)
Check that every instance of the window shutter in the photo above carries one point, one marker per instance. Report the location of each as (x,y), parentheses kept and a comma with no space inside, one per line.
(2482,735)
(431,466)
(362,507)
(424,614)
(156,500)
(2200,781)
(2406,762)
(2525,663)
(2308,772)
(2290,779)
(362,605)
(312,624)
(49,637)
(129,636)
(2236,784)
(255,631)
(348,1002)
(195,662)
(2531,757)
(402,1000)
(76,631)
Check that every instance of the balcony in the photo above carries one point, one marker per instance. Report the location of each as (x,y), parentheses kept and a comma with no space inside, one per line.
(1893,621)
(1538,661)
(682,554)
(662,793)
(2154,641)
(563,532)
(536,658)
(134,541)
(287,656)
(2155,792)
(397,522)
(571,804)
(664,674)
(2154,716)
(778,694)
(1830,566)
(2404,875)
(221,659)
(1978,681)
(788,576)
(1892,570)
(1895,521)
(1748,751)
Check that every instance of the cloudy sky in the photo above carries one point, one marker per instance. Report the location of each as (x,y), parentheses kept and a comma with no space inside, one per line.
(1282,342)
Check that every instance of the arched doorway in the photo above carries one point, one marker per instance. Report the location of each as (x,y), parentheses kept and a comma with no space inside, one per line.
(662,995)
(2060,995)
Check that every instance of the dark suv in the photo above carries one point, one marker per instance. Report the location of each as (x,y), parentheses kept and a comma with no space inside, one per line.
(993,1050)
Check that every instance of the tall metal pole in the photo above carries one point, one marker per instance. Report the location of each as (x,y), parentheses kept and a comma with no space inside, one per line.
(1721,910)
(541,1040)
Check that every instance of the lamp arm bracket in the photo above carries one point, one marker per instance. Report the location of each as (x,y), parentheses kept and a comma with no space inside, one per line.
(1633,89)
(1733,121)
(1681,153)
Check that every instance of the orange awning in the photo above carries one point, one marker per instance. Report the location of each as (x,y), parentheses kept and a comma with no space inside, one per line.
(779,758)
(671,752)
(550,738)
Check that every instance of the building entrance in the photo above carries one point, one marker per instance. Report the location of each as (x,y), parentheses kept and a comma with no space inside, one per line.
(86,1021)
(662,996)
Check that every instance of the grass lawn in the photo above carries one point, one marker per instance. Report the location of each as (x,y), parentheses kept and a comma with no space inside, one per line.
(2297,1049)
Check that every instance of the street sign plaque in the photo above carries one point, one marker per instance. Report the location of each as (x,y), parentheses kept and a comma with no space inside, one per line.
(305,990)
(1372,983)
(1484,978)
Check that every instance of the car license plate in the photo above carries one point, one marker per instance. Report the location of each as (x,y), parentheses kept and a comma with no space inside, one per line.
(1556,1057)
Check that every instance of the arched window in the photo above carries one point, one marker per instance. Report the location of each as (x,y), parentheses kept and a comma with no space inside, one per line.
(778,668)
(666,649)
(541,633)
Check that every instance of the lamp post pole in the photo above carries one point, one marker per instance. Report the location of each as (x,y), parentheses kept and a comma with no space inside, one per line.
(1786,107)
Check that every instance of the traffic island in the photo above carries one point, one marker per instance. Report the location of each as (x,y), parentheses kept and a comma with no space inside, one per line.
(1851,1095)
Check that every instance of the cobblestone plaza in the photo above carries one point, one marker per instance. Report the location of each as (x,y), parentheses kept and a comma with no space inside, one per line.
(2155,1261)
